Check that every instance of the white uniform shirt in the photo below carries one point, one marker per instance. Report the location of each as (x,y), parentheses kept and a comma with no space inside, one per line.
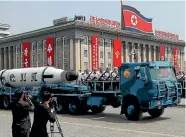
(114,74)
(94,76)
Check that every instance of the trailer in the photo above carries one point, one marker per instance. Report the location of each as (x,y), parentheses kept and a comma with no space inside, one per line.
(143,87)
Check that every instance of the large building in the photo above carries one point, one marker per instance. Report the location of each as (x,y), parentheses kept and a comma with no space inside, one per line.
(3,30)
(79,44)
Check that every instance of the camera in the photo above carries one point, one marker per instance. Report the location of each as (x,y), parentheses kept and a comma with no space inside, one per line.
(52,103)
(27,96)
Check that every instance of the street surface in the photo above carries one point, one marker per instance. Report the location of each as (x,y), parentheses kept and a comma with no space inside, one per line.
(111,124)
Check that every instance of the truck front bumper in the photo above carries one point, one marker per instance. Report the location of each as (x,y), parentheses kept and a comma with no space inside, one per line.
(162,103)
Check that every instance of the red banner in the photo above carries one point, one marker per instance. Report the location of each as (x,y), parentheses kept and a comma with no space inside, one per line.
(175,50)
(117,53)
(50,51)
(95,59)
(26,54)
(162,53)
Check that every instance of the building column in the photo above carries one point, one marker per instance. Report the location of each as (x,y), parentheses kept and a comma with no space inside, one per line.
(4,49)
(144,53)
(154,48)
(139,53)
(9,56)
(71,54)
(127,51)
(132,51)
(0,60)
(150,53)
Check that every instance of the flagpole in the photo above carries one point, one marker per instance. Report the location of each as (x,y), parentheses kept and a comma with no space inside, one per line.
(122,18)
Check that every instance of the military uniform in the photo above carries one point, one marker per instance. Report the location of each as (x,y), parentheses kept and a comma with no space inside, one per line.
(115,78)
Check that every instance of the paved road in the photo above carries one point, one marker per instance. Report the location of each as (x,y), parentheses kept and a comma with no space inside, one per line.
(111,124)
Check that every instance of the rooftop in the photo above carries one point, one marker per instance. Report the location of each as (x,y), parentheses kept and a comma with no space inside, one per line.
(92,27)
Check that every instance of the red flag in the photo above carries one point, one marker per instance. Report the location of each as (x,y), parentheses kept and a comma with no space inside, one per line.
(50,51)
(175,50)
(117,52)
(26,54)
(162,53)
(95,59)
(134,21)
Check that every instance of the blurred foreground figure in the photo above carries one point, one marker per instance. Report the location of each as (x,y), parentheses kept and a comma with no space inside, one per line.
(20,111)
(42,114)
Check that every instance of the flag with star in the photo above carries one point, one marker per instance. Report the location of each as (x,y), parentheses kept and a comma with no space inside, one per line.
(116,53)
(133,20)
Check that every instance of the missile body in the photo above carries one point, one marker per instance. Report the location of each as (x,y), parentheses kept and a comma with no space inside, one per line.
(27,77)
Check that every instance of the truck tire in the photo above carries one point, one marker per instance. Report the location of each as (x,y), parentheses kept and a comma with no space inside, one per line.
(156,112)
(132,110)
(62,108)
(96,109)
(5,102)
(74,109)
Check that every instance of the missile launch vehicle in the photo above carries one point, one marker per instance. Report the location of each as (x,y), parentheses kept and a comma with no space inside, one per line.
(143,87)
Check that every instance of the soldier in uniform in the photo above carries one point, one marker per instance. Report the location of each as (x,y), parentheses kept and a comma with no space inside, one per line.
(93,77)
(101,75)
(115,78)
(107,78)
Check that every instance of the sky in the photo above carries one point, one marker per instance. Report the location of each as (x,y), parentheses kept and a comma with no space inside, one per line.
(25,16)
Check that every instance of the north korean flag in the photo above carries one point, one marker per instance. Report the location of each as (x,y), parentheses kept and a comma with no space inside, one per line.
(134,21)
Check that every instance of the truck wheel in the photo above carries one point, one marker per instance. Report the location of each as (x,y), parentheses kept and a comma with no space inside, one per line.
(62,108)
(6,103)
(156,112)
(96,109)
(73,108)
(132,110)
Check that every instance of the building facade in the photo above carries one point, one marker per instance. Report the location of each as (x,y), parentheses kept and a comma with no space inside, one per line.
(73,47)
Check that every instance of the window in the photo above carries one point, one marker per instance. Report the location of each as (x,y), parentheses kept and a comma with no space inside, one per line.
(101,54)
(109,55)
(34,46)
(101,42)
(166,54)
(85,65)
(44,53)
(109,65)
(64,41)
(106,43)
(85,41)
(85,53)
(101,64)
(58,53)
(65,64)
(65,54)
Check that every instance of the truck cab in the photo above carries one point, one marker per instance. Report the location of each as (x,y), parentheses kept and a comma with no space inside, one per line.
(148,87)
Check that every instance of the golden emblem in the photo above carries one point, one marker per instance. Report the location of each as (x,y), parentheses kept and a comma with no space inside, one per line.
(117,54)
(127,73)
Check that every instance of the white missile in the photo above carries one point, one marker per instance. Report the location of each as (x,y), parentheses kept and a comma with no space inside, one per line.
(27,77)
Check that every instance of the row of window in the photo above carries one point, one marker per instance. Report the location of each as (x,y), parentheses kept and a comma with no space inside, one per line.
(101,65)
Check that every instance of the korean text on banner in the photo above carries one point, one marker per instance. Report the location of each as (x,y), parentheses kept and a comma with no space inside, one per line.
(175,50)
(162,53)
(117,53)
(26,54)
(95,52)
(50,51)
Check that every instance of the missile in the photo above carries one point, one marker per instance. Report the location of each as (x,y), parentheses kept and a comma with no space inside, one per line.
(28,77)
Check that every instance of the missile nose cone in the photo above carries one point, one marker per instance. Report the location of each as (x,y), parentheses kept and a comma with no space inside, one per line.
(71,75)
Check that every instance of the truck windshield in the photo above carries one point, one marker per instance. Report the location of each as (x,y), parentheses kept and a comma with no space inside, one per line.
(163,73)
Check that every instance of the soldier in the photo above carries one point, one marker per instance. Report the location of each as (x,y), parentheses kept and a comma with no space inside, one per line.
(93,77)
(101,75)
(106,78)
(115,78)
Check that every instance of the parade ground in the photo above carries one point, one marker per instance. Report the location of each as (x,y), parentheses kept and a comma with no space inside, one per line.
(112,124)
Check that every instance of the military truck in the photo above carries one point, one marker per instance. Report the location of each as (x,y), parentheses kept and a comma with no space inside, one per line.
(143,87)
